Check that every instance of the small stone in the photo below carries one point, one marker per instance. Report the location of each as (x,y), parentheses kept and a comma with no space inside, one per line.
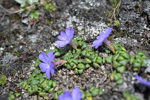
(54,33)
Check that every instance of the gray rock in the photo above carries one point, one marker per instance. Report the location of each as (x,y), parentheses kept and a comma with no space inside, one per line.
(54,33)
(9,58)
(147,70)
(146,8)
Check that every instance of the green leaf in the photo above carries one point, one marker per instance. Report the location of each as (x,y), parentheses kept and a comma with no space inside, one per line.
(88,61)
(125,55)
(37,63)
(36,72)
(135,69)
(57,54)
(76,71)
(83,52)
(60,92)
(95,65)
(47,88)
(92,88)
(83,95)
(80,71)
(99,60)
(131,60)
(79,38)
(116,64)
(117,76)
(34,88)
(144,63)
(121,69)
(80,43)
(116,22)
(87,66)
(80,60)
(44,84)
(30,91)
(88,94)
(35,15)
(80,66)
(84,46)
(42,94)
(136,64)
(95,92)
(103,60)
(54,84)
(87,54)
(34,81)
(123,62)
(94,59)
(68,66)
(23,84)
(120,81)
(50,82)
(51,90)
(120,58)
(101,92)
(56,96)
(17,94)
(115,57)
(109,59)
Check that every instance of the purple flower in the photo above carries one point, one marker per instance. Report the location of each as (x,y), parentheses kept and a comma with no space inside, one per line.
(47,65)
(75,95)
(65,39)
(142,81)
(103,38)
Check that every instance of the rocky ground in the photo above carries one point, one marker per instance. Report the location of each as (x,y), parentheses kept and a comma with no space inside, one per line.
(21,42)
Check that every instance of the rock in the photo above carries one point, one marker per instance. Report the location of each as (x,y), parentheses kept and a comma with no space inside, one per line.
(146,8)
(147,70)
(9,58)
(130,17)
(54,33)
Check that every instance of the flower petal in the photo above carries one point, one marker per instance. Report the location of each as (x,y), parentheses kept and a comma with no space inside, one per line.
(67,32)
(67,96)
(142,81)
(76,95)
(51,56)
(61,43)
(108,31)
(97,43)
(44,67)
(63,34)
(48,73)
(71,35)
(61,97)
(52,68)
(43,57)
(106,34)
(61,38)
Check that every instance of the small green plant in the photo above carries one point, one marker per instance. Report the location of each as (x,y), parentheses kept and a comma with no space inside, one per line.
(129,96)
(50,7)
(116,77)
(116,22)
(114,3)
(13,95)
(33,6)
(2,80)
(38,83)
(34,15)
